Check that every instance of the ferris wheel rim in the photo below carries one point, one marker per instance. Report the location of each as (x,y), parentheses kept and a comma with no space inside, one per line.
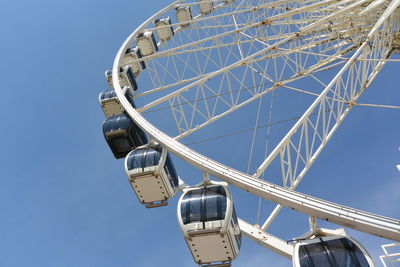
(232,176)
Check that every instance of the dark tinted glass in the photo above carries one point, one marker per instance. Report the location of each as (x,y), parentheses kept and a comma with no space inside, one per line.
(143,157)
(107,94)
(139,54)
(132,80)
(135,159)
(215,203)
(203,205)
(142,64)
(154,42)
(238,236)
(136,162)
(313,255)
(116,123)
(111,94)
(132,137)
(171,172)
(129,50)
(139,138)
(341,252)
(191,206)
(120,144)
(128,96)
(152,158)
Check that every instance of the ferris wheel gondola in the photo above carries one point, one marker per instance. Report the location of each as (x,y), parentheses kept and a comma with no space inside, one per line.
(209,224)
(126,78)
(110,103)
(184,15)
(205,6)
(338,251)
(163,31)
(122,135)
(152,175)
(129,59)
(147,43)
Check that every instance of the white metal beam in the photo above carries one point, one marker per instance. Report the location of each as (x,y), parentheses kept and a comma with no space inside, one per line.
(392,258)
(265,239)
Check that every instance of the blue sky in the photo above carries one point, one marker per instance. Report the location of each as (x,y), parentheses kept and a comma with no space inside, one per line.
(64,199)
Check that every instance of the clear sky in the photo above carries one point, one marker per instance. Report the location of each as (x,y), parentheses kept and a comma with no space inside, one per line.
(64,199)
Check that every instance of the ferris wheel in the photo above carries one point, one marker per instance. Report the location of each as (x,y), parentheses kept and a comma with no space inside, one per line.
(266,82)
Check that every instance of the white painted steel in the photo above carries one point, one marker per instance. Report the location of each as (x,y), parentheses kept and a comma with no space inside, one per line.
(267,240)
(389,257)
(338,95)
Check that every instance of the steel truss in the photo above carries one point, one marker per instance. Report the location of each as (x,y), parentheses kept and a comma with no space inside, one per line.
(389,257)
(317,36)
